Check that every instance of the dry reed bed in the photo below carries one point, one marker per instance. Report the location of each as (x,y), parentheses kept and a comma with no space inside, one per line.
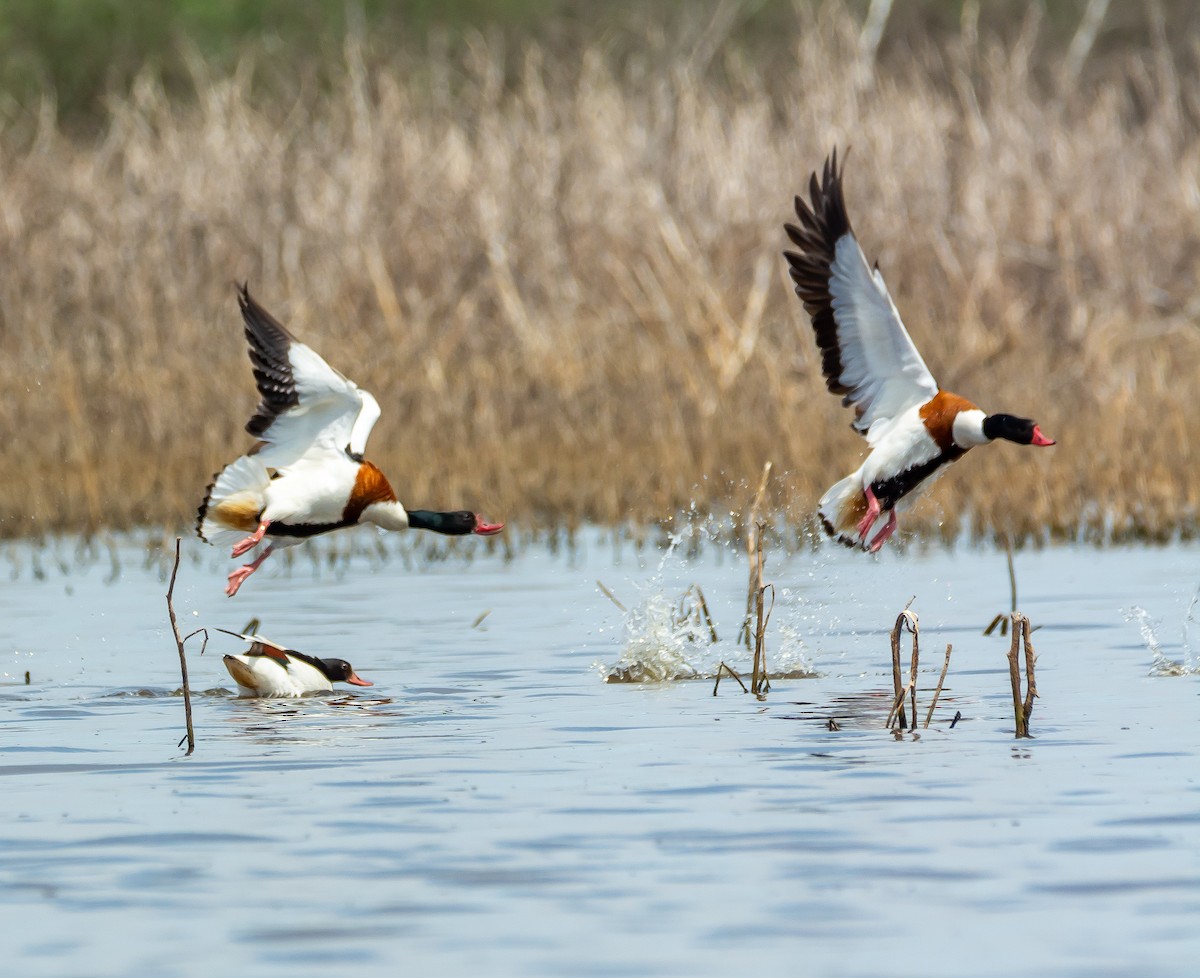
(567,292)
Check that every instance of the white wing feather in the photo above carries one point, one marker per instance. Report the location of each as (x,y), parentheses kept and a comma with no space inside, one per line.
(880,364)
(333,415)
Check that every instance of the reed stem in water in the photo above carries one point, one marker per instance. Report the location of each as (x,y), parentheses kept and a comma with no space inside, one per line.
(909,619)
(1022,707)
(187,692)
(941,679)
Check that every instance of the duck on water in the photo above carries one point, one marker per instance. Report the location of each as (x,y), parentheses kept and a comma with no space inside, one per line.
(270,669)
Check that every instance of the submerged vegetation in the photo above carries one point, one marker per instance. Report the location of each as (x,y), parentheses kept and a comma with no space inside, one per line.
(558,268)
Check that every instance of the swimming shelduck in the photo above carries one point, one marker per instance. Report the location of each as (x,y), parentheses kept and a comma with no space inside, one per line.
(913,427)
(270,669)
(307,474)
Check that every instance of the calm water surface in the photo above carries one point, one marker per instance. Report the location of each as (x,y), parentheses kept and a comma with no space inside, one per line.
(493,807)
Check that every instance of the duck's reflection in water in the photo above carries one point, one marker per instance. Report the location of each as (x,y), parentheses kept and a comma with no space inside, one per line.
(319,719)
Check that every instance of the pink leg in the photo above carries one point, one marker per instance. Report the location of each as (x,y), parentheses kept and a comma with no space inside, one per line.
(873,511)
(238,577)
(251,541)
(888,529)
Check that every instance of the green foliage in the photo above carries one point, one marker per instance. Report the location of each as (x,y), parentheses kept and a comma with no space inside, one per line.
(80,51)
(83,51)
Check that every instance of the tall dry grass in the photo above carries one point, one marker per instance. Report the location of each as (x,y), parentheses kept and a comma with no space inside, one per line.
(562,278)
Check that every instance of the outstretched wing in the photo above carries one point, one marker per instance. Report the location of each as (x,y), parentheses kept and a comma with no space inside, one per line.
(866,353)
(306,406)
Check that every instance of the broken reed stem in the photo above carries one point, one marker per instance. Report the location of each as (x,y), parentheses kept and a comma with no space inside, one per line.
(703,605)
(724,668)
(1014,677)
(938,692)
(912,673)
(759,683)
(1022,708)
(187,693)
(908,618)
(753,532)
(611,597)
(1030,682)
(897,693)
(762,683)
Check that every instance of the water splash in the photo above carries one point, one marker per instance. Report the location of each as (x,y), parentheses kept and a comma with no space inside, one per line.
(790,658)
(658,645)
(1192,655)
(663,642)
(1149,627)
(669,638)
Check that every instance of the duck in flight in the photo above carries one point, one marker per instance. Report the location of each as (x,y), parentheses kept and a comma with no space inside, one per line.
(913,427)
(306,475)
(270,669)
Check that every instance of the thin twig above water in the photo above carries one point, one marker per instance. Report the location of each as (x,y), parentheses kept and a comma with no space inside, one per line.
(179,641)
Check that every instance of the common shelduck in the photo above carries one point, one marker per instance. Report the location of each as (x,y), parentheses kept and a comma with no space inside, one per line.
(913,427)
(306,475)
(270,669)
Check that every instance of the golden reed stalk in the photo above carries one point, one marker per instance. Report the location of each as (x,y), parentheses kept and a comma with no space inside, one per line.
(561,276)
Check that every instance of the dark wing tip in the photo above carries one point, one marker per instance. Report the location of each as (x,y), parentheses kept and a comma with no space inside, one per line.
(823,222)
(260,324)
(828,207)
(269,345)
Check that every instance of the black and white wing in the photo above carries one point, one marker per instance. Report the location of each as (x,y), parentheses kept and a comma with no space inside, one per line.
(866,353)
(307,407)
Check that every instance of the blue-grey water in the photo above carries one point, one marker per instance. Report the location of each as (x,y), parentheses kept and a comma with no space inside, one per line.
(493,807)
